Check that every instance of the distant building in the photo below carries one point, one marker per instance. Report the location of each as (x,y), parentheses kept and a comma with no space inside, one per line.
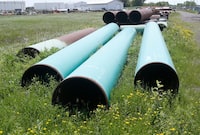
(105,5)
(92,5)
(81,6)
(49,6)
(12,5)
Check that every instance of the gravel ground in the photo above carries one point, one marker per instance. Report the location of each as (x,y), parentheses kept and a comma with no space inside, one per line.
(194,20)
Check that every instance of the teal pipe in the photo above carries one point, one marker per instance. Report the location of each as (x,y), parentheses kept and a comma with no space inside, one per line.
(63,62)
(91,83)
(139,27)
(154,63)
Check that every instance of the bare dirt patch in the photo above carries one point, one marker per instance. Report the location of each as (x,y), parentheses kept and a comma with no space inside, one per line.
(194,21)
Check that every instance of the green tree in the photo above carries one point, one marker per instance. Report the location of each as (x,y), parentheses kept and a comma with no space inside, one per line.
(162,4)
(138,2)
(189,3)
(126,3)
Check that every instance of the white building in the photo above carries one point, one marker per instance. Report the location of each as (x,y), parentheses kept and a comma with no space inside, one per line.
(92,5)
(49,6)
(81,6)
(12,5)
(95,5)
(105,5)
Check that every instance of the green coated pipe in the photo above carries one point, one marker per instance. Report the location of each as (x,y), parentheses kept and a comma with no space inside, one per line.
(154,66)
(140,27)
(63,62)
(91,83)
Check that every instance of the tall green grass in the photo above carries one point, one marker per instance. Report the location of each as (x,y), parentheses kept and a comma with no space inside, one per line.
(132,111)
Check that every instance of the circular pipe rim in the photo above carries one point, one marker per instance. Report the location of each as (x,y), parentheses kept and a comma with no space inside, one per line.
(81,92)
(42,71)
(149,73)
(108,17)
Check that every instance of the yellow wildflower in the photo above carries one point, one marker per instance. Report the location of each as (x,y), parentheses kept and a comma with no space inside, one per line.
(173,129)
(127,122)
(160,134)
(44,129)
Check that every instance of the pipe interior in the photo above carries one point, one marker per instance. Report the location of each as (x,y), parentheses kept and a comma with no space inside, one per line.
(30,51)
(41,72)
(79,93)
(135,16)
(148,75)
(108,17)
(122,17)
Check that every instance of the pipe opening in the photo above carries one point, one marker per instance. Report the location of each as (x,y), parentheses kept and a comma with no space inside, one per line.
(151,73)
(108,17)
(162,26)
(42,73)
(135,16)
(79,93)
(29,51)
(121,17)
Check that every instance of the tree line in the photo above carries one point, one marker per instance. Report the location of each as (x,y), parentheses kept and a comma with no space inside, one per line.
(130,3)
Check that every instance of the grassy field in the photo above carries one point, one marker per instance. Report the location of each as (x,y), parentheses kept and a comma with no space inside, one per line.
(28,110)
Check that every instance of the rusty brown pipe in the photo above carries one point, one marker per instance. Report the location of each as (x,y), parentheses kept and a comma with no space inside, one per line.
(140,15)
(74,36)
(109,17)
(122,17)
(59,42)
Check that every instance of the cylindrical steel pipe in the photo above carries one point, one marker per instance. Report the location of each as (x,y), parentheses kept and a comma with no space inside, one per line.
(109,17)
(122,17)
(139,27)
(140,15)
(155,17)
(91,83)
(154,62)
(59,42)
(63,62)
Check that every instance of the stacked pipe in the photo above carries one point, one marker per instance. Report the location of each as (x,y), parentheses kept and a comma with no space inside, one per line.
(59,42)
(140,15)
(109,17)
(91,83)
(164,11)
(154,65)
(63,62)
(136,16)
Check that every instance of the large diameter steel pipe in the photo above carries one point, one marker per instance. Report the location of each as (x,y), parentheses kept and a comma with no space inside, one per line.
(109,17)
(63,62)
(122,17)
(59,42)
(91,83)
(140,15)
(139,27)
(154,66)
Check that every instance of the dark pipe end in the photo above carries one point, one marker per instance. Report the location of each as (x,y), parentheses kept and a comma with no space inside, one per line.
(108,17)
(149,74)
(135,16)
(162,26)
(41,72)
(79,93)
(122,17)
(29,51)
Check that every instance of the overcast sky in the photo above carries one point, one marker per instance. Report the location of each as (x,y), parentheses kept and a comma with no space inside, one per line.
(31,2)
